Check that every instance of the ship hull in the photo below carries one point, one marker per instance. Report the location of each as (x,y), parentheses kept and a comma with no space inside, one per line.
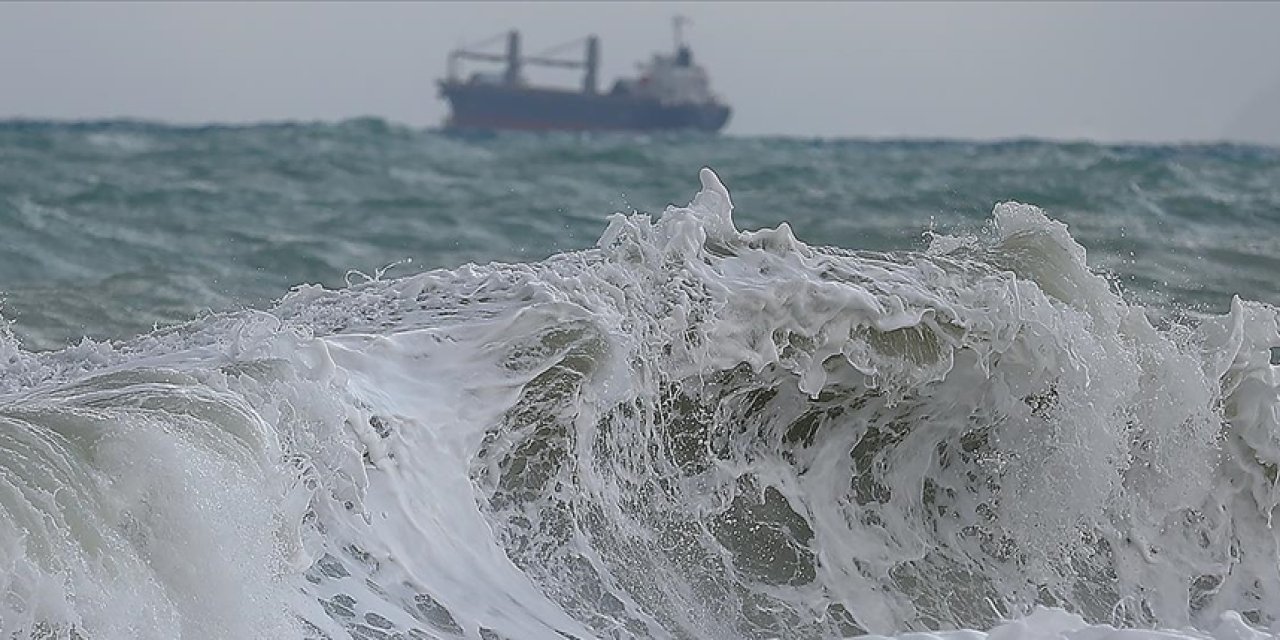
(479,107)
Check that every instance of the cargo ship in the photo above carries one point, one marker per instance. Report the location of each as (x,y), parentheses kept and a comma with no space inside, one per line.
(670,92)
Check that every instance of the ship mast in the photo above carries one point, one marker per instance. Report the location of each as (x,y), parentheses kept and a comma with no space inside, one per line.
(515,61)
(677,25)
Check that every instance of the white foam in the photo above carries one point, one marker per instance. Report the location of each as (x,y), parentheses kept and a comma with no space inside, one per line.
(690,431)
(1057,624)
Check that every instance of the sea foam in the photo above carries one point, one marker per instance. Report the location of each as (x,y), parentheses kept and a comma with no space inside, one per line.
(689,431)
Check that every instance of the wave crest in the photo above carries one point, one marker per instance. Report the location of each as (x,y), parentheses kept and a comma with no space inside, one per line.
(689,431)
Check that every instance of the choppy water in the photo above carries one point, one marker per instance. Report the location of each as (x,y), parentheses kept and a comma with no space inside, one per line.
(861,390)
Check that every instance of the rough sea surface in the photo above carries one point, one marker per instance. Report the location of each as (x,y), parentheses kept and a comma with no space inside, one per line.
(357,380)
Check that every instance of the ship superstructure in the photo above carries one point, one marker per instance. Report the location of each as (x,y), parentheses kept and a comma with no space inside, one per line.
(670,92)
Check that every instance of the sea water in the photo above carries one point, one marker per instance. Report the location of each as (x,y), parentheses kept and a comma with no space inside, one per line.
(357,380)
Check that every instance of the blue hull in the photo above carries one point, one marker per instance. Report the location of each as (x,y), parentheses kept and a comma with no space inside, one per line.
(498,107)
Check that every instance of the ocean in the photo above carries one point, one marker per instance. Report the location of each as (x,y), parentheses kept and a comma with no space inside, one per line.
(360,380)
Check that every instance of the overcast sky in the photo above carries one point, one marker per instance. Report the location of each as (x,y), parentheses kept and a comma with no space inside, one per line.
(1145,71)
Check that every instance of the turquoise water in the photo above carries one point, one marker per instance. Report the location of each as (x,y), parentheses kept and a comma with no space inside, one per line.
(354,380)
(112,228)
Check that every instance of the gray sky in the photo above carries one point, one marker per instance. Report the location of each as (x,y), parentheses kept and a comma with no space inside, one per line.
(1114,72)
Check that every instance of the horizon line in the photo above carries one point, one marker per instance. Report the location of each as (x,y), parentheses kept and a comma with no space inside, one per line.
(7,122)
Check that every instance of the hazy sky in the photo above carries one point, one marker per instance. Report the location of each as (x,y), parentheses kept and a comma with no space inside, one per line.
(1143,72)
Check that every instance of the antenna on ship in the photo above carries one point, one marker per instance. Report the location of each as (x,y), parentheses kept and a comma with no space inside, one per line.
(677,24)
(683,57)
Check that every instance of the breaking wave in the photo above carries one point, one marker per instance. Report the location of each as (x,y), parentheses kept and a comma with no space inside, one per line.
(689,431)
